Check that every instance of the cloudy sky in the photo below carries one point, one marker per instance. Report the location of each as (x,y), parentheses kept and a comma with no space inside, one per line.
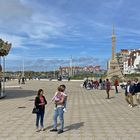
(46,33)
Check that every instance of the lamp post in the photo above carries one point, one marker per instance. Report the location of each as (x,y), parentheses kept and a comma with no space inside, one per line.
(23,76)
(71,67)
(4,50)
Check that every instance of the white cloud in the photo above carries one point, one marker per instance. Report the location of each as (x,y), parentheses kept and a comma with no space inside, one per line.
(43,27)
(13,57)
(13,10)
(17,41)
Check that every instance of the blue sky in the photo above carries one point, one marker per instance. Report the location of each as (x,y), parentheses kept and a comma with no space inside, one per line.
(46,33)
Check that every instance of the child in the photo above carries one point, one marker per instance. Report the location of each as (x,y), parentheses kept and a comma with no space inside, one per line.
(58,95)
(65,99)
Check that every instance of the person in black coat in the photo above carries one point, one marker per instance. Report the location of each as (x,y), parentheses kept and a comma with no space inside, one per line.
(137,91)
(40,103)
(129,91)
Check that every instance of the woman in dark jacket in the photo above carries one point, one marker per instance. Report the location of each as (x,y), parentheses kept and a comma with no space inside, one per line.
(40,103)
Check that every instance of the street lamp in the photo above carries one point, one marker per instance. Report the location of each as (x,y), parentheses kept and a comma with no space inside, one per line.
(4,50)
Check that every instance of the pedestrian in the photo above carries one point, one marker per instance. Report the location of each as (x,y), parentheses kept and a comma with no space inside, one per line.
(107,87)
(19,79)
(40,102)
(137,91)
(58,95)
(65,97)
(100,84)
(116,84)
(103,84)
(129,90)
(58,111)
(85,82)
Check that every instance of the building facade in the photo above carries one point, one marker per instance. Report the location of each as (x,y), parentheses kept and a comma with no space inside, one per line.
(129,61)
(74,70)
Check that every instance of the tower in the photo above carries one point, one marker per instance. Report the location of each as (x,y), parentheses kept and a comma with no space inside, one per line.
(113,43)
(113,66)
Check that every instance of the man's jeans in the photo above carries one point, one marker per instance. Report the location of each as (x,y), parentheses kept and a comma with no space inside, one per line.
(59,112)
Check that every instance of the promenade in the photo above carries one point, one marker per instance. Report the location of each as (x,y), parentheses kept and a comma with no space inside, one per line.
(89,115)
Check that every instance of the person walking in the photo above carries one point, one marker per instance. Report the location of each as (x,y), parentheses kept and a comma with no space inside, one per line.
(65,97)
(58,111)
(40,102)
(107,87)
(137,91)
(101,84)
(129,90)
(116,84)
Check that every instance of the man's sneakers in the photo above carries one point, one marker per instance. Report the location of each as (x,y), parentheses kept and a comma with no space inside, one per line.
(60,131)
(131,105)
(55,130)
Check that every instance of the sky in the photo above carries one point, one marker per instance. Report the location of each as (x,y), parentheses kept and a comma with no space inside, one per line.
(46,34)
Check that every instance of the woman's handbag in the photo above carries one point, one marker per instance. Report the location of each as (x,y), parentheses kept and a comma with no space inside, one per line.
(35,110)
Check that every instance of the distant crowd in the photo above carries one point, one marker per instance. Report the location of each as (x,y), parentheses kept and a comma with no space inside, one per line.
(91,84)
(131,88)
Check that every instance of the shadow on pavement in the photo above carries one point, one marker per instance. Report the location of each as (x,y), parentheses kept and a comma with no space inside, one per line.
(15,93)
(74,126)
(111,97)
(51,126)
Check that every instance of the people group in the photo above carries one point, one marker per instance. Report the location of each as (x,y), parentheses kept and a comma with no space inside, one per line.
(93,84)
(60,100)
(132,90)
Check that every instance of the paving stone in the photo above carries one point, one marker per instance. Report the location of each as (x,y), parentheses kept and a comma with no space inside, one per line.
(128,138)
(114,138)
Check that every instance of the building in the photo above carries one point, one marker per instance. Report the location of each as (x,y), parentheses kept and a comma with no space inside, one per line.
(121,58)
(132,62)
(124,62)
(74,70)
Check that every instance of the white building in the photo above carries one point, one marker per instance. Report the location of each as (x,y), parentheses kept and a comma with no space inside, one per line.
(131,63)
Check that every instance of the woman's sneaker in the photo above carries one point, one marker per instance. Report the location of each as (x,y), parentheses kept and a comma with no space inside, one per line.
(64,110)
(42,129)
(38,130)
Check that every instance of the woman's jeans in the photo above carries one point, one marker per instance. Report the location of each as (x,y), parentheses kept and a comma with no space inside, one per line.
(59,112)
(40,117)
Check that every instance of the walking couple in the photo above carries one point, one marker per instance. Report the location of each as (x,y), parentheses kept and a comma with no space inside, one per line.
(60,100)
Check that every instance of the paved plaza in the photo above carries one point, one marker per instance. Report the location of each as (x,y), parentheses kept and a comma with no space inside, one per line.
(89,115)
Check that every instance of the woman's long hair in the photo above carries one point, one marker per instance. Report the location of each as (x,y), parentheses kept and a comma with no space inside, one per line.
(39,91)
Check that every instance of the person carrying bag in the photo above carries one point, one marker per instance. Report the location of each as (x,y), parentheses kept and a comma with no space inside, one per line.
(40,102)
